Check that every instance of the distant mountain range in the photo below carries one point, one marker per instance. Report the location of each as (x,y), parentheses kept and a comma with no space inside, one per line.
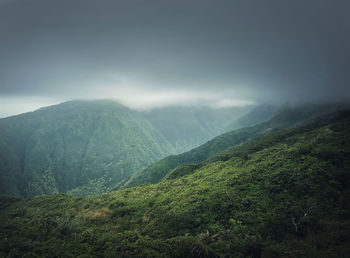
(188,127)
(256,116)
(87,147)
(92,147)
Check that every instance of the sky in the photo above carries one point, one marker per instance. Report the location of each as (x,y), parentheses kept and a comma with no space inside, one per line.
(153,53)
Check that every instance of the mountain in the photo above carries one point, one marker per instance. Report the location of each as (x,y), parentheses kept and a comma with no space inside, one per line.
(90,147)
(188,127)
(257,115)
(85,147)
(284,194)
(81,147)
(156,172)
(283,117)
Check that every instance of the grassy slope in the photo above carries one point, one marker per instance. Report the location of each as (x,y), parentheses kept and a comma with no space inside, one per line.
(283,118)
(155,172)
(241,203)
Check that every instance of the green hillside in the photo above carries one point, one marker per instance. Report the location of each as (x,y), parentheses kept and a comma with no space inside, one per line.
(86,147)
(81,147)
(155,172)
(285,194)
(283,118)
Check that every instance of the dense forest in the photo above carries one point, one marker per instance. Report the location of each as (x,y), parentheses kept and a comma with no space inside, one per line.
(281,192)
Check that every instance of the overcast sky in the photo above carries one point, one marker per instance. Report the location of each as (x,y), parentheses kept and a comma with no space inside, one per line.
(148,53)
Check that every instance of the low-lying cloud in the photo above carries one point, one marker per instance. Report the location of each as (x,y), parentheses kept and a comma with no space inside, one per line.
(154,53)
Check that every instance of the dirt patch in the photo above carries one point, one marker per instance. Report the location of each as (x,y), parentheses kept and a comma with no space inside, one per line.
(103,213)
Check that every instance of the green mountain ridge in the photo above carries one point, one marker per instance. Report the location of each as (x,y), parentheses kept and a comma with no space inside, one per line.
(79,147)
(87,147)
(284,194)
(282,118)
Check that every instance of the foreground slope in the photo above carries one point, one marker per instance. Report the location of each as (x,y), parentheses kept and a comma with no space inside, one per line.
(282,118)
(284,194)
(79,146)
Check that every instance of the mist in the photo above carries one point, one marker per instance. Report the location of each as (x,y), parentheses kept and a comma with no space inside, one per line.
(148,54)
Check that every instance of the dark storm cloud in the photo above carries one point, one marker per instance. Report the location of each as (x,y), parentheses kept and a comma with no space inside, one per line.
(241,49)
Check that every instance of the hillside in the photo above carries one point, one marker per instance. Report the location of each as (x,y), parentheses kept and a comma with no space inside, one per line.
(283,118)
(188,127)
(155,172)
(257,115)
(86,147)
(284,194)
(81,147)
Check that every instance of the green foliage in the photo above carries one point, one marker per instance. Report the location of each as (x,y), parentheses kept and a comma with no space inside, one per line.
(182,170)
(157,171)
(286,195)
